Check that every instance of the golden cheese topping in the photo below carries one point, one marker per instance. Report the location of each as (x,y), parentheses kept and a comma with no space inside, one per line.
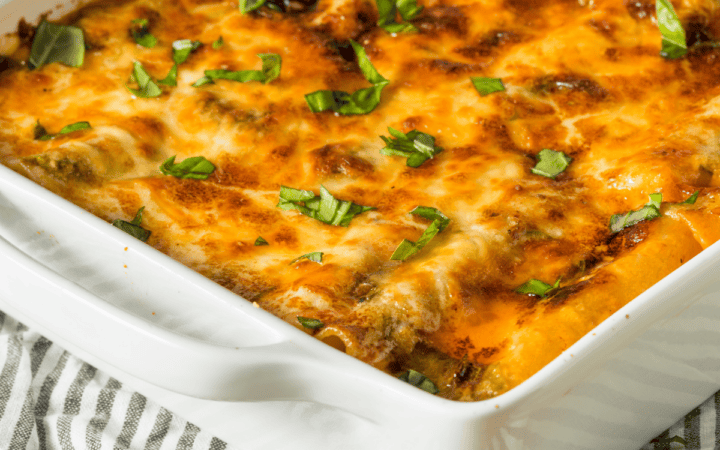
(581,77)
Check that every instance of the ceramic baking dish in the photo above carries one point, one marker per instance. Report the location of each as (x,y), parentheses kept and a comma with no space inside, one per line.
(96,289)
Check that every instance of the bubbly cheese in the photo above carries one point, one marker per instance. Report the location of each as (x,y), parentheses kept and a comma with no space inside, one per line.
(582,77)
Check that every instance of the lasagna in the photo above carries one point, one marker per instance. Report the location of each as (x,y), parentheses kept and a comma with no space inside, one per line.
(453,191)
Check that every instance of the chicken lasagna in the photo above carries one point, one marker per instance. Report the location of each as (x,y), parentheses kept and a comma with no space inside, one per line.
(453,191)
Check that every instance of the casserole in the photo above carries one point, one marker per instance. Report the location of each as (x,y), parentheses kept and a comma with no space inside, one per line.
(458,424)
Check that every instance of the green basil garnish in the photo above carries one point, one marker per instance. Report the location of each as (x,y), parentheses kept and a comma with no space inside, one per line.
(408,248)
(325,207)
(419,380)
(691,200)
(674,43)
(312,324)
(42,135)
(361,101)
(57,43)
(218,43)
(486,86)
(250,5)
(650,211)
(537,287)
(146,86)
(416,146)
(271,64)
(133,228)
(388,9)
(194,168)
(551,163)
(314,257)
(181,52)
(260,241)
(141,33)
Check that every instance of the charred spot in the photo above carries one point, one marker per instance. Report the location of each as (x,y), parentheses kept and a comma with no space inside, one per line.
(231,173)
(192,192)
(282,153)
(450,67)
(562,294)
(498,129)
(7,64)
(465,372)
(640,9)
(697,31)
(25,32)
(628,238)
(603,27)
(486,352)
(488,45)
(292,7)
(331,160)
(286,236)
(442,19)
(211,104)
(555,84)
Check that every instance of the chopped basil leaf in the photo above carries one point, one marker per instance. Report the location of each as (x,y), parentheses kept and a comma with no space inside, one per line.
(312,324)
(260,241)
(361,101)
(408,248)
(416,146)
(181,52)
(183,48)
(45,136)
(141,34)
(551,163)
(324,207)
(650,211)
(147,87)
(691,200)
(250,5)
(537,287)
(57,43)
(218,43)
(388,9)
(195,168)
(487,86)
(419,380)
(674,43)
(271,64)
(314,257)
(133,228)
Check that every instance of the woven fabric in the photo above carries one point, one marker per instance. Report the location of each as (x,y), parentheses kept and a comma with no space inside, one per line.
(51,400)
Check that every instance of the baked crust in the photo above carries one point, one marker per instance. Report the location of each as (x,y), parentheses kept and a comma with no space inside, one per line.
(584,78)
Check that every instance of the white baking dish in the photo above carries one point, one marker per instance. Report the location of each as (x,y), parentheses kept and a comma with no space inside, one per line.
(97,289)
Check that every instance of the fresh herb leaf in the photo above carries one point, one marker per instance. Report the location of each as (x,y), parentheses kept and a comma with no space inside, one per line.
(45,136)
(183,48)
(133,228)
(419,380)
(181,52)
(387,12)
(537,287)
(361,101)
(146,86)
(260,241)
(408,248)
(691,200)
(551,163)
(674,43)
(271,64)
(312,324)
(324,207)
(416,146)
(57,43)
(195,168)
(314,257)
(218,43)
(250,5)
(486,86)
(650,211)
(141,33)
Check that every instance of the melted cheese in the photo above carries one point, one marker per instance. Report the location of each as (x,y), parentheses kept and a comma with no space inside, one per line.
(582,77)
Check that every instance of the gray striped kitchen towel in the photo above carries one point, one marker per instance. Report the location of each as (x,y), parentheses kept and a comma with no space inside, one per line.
(51,400)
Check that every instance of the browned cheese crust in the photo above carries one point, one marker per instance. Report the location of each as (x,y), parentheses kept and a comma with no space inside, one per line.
(582,76)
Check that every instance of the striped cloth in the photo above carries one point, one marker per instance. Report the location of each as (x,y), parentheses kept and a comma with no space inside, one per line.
(51,400)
